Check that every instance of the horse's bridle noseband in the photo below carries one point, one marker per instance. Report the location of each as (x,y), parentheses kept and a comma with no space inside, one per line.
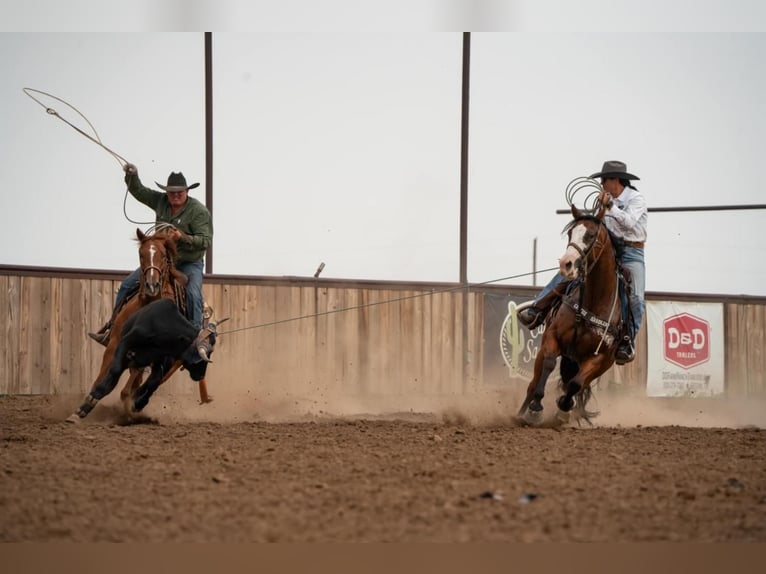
(585,252)
(161,271)
(157,269)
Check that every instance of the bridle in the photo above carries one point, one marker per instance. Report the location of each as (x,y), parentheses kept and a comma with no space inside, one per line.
(161,271)
(584,269)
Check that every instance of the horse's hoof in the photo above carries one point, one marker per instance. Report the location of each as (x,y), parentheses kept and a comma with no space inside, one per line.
(128,408)
(562,416)
(532,418)
(73,419)
(206,400)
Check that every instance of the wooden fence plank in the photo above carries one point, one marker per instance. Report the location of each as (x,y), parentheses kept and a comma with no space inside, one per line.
(10,303)
(375,341)
(26,316)
(755,350)
(55,338)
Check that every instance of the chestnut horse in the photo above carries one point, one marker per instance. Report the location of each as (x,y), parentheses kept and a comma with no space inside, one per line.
(159,279)
(584,330)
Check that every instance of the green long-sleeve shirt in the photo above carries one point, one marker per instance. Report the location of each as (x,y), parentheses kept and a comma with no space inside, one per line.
(193,219)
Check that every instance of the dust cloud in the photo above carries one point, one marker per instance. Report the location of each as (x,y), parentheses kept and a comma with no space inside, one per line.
(482,406)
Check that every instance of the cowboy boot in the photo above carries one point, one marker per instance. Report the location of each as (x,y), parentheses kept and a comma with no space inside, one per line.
(102,335)
(532,316)
(625,351)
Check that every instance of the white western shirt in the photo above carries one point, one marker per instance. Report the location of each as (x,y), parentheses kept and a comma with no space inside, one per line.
(628,215)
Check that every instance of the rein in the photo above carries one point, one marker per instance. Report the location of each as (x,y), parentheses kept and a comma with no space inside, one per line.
(581,313)
(584,253)
(170,288)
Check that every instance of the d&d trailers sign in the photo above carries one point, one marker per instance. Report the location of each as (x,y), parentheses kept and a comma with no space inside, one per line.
(686,340)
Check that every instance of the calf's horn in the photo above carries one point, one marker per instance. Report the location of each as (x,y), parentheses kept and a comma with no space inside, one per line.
(203,353)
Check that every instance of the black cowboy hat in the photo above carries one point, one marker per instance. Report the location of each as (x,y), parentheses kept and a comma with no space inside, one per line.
(176,182)
(616,169)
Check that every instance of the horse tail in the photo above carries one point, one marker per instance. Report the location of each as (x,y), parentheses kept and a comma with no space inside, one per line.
(581,403)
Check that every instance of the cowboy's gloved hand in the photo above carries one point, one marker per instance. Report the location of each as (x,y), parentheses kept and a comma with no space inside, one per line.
(179,235)
(130,169)
(605,198)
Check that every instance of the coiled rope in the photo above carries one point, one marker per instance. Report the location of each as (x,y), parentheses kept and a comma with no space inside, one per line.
(584,186)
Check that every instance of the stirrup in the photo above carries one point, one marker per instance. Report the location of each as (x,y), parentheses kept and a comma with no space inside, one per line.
(101,338)
(530,316)
(625,353)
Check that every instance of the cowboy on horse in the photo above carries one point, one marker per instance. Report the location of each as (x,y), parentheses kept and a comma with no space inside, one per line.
(625,217)
(192,229)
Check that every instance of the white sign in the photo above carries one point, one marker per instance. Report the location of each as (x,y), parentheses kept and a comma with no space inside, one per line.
(685,349)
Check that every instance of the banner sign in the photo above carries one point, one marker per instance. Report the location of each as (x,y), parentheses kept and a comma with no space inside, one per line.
(685,349)
(510,348)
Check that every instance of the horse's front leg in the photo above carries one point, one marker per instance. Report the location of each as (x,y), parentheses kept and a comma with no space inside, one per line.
(532,407)
(590,369)
(98,392)
(107,378)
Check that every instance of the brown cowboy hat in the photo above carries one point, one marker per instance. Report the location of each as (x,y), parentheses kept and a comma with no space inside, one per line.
(176,182)
(616,169)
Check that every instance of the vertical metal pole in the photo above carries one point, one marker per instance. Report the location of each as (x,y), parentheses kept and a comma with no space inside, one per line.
(464,159)
(467,359)
(209,138)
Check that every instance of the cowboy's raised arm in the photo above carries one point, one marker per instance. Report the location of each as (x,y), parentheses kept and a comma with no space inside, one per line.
(148,197)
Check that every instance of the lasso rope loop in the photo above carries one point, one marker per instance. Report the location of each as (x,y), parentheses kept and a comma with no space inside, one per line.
(159,227)
(97,139)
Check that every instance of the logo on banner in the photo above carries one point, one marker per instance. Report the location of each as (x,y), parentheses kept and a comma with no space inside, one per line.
(686,340)
(519,345)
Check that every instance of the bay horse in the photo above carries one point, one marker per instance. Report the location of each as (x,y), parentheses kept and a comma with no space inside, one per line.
(585,328)
(158,279)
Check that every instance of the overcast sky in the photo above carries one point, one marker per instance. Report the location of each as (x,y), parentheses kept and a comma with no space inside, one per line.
(344,147)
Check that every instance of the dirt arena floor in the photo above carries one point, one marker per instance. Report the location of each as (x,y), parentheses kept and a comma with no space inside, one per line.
(247,470)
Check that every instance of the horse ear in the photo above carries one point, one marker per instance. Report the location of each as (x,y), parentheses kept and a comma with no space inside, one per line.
(576,213)
(601,212)
(140,234)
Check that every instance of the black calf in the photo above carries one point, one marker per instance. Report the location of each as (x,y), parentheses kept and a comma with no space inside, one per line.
(156,335)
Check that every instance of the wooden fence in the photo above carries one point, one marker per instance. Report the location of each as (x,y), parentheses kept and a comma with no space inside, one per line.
(310,336)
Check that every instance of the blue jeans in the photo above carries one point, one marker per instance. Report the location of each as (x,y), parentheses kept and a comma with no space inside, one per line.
(556,280)
(193,270)
(633,260)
